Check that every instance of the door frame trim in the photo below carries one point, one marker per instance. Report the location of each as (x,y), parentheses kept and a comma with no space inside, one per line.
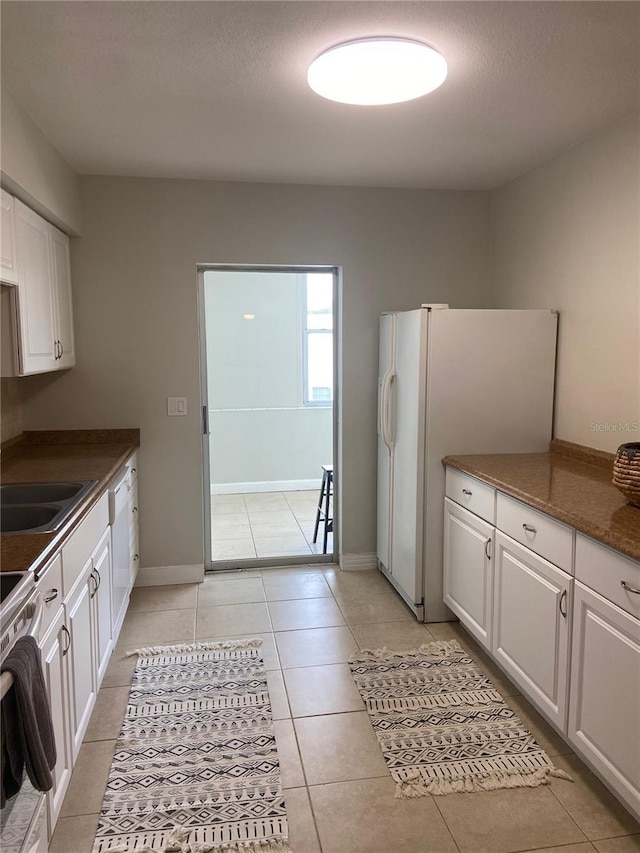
(333,557)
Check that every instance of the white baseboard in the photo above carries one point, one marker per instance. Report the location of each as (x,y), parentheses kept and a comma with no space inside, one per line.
(168,575)
(265,486)
(352,562)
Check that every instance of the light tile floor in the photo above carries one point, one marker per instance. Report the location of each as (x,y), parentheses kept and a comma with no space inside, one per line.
(265,524)
(339,795)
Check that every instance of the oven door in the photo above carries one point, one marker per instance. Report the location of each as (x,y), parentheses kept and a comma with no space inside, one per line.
(22,822)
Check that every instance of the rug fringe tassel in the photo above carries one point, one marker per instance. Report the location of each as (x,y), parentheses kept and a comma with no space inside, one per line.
(416,786)
(384,653)
(181,648)
(177,843)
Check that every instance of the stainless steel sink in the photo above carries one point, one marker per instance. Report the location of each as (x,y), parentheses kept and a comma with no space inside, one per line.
(38,493)
(39,507)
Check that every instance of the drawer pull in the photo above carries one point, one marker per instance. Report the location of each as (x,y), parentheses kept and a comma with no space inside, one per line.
(563,600)
(51,597)
(487,545)
(529,529)
(630,588)
(467,492)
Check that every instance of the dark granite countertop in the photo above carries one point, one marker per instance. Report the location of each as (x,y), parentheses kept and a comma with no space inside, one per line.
(51,456)
(571,483)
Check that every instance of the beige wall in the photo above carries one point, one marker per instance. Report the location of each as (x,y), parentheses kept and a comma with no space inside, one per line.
(566,236)
(136,317)
(10,408)
(34,170)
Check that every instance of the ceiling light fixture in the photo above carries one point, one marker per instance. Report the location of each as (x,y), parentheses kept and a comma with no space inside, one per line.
(374,71)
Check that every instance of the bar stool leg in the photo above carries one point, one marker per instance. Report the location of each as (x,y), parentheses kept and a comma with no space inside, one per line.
(319,510)
(328,522)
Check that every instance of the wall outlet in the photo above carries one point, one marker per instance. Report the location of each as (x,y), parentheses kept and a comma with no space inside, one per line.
(176,406)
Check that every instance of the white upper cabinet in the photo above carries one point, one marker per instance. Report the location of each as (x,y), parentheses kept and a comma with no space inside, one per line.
(40,304)
(35,297)
(8,262)
(61,270)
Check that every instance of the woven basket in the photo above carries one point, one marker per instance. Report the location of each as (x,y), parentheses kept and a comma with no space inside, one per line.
(626,471)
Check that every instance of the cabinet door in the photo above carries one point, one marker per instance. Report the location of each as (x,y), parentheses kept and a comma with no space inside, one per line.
(8,262)
(54,649)
(532,603)
(604,714)
(134,538)
(82,656)
(101,601)
(36,311)
(61,269)
(468,569)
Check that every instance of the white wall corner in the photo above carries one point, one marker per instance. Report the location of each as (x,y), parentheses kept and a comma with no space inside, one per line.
(358,562)
(168,575)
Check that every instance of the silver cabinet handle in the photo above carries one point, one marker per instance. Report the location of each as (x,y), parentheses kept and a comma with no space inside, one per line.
(134,509)
(467,492)
(99,579)
(529,529)
(61,349)
(487,545)
(630,588)
(68,636)
(133,470)
(95,588)
(563,600)
(53,594)
(136,557)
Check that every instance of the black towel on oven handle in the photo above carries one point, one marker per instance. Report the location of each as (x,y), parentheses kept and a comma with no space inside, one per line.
(28,738)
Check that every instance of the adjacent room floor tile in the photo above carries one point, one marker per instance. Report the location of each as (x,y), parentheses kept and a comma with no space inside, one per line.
(363,816)
(315,646)
(233,549)
(222,504)
(281,546)
(74,834)
(283,587)
(157,627)
(89,779)
(508,820)
(231,619)
(265,502)
(307,613)
(315,690)
(230,526)
(339,748)
(590,804)
(176,597)
(234,591)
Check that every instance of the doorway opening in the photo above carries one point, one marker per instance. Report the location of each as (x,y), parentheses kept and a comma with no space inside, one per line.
(269,386)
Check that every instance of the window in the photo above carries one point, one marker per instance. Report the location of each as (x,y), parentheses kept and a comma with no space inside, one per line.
(317,324)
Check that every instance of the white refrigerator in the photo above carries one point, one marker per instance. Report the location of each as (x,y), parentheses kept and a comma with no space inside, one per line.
(451,381)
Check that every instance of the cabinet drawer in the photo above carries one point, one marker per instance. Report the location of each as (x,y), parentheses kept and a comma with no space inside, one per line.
(537,531)
(78,549)
(50,588)
(472,494)
(604,571)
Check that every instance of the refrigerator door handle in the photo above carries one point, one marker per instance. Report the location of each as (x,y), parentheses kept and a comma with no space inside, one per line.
(388,411)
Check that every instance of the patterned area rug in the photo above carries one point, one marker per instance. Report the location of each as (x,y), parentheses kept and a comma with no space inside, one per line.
(195,767)
(442,726)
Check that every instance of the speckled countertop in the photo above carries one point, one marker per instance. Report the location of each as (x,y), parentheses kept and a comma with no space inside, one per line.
(571,483)
(50,456)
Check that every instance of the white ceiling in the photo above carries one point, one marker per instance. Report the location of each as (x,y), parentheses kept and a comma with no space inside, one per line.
(218,89)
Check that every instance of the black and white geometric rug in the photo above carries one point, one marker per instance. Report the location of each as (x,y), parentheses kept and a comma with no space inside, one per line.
(195,767)
(442,726)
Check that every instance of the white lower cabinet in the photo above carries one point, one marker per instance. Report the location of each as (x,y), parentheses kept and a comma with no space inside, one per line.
(101,605)
(83,686)
(604,715)
(54,648)
(531,625)
(468,570)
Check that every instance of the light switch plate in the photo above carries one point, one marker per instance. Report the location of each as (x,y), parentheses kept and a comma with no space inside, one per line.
(176,406)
